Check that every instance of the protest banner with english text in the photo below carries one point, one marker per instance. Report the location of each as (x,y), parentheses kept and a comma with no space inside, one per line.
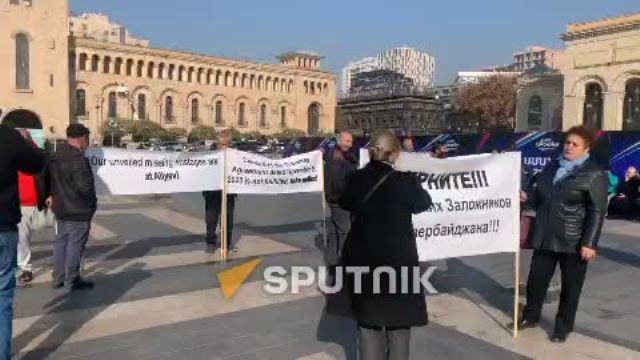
(136,172)
(254,174)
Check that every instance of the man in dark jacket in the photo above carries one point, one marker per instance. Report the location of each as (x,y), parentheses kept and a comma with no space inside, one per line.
(17,155)
(74,202)
(213,207)
(339,163)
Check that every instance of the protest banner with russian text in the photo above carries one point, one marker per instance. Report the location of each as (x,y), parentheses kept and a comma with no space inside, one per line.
(475,207)
(254,174)
(135,172)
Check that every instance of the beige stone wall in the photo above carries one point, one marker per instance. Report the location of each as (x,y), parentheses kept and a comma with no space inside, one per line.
(98,27)
(550,90)
(208,79)
(46,25)
(607,59)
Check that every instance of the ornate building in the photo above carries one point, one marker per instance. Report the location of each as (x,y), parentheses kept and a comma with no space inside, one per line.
(539,99)
(383,99)
(88,70)
(602,76)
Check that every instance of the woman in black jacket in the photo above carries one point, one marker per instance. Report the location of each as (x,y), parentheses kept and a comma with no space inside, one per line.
(570,202)
(381,202)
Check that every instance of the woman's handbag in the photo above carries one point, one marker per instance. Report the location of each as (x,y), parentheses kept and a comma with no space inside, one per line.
(526,231)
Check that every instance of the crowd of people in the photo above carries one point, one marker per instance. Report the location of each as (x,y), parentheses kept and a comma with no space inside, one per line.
(370,220)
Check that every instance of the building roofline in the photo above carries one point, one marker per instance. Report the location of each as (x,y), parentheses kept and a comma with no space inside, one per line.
(611,25)
(192,56)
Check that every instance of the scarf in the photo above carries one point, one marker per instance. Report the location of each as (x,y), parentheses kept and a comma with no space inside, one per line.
(567,166)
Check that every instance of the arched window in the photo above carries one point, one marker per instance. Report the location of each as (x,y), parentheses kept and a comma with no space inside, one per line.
(95,59)
(140,66)
(283,117)
(242,119)
(219,114)
(306,87)
(106,65)
(168,109)
(118,66)
(113,105)
(313,118)
(235,79)
(81,104)
(631,115)
(161,71)
(142,107)
(129,67)
(190,74)
(172,69)
(150,67)
(22,61)
(263,115)
(195,111)
(180,73)
(534,117)
(82,62)
(593,109)
(260,80)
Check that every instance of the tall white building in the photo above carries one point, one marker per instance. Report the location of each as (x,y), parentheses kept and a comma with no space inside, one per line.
(418,66)
(357,67)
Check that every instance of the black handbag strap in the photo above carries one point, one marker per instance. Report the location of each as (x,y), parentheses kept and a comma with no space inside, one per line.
(355,214)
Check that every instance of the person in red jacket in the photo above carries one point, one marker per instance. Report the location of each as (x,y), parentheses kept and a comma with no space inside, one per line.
(30,202)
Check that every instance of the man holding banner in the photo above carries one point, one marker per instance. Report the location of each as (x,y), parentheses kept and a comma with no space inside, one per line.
(339,162)
(213,206)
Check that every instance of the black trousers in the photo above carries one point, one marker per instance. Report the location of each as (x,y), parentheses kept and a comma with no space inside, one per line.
(572,270)
(340,225)
(212,207)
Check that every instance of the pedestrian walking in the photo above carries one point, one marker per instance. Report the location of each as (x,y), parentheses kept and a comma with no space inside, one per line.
(570,201)
(381,202)
(18,155)
(32,203)
(74,202)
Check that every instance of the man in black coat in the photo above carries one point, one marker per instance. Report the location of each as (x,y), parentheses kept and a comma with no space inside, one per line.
(213,207)
(17,155)
(339,163)
(74,202)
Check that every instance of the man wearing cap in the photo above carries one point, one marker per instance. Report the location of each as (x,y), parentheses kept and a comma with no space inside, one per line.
(73,200)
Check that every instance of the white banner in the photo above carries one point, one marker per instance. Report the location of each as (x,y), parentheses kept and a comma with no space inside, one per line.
(475,208)
(254,174)
(133,172)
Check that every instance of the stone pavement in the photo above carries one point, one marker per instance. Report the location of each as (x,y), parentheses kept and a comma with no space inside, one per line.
(157,296)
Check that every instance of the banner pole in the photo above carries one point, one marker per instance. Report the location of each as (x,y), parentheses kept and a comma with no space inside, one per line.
(223,212)
(324,209)
(516,295)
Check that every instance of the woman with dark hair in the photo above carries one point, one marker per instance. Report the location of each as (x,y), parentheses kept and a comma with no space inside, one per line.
(381,202)
(570,202)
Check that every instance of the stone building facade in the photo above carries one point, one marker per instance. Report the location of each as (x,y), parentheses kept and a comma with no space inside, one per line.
(602,76)
(539,99)
(76,72)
